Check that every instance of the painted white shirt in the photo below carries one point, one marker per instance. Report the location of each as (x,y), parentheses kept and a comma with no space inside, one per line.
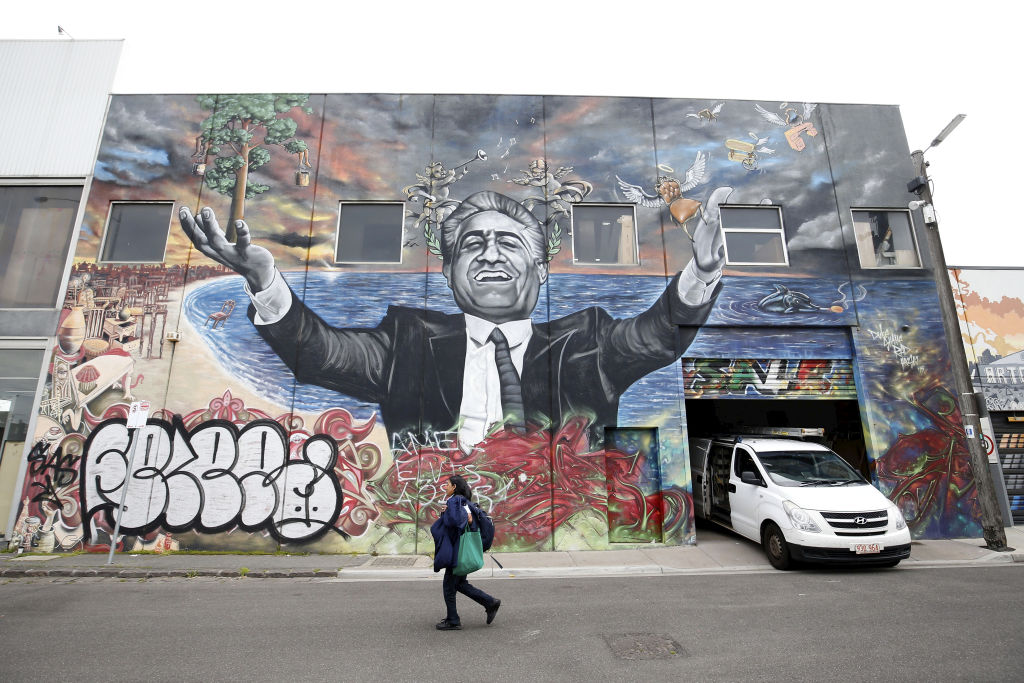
(481,388)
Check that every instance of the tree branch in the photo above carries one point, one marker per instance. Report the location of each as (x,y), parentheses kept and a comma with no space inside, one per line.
(261,142)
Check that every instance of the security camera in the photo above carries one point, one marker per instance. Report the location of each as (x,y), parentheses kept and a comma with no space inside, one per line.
(916,204)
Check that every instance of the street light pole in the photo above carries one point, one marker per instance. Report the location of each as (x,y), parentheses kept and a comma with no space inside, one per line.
(991,517)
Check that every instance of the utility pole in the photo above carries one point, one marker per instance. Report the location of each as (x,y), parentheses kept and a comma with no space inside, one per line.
(991,517)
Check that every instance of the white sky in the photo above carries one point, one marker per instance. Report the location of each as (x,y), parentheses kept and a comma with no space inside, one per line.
(935,59)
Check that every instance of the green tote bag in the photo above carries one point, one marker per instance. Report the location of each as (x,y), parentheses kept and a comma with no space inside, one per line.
(471,552)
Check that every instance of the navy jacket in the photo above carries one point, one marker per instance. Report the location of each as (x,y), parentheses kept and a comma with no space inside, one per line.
(447,530)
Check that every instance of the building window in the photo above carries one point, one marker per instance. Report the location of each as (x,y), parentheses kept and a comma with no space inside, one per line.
(370,232)
(885,239)
(36,226)
(136,232)
(20,367)
(754,236)
(604,234)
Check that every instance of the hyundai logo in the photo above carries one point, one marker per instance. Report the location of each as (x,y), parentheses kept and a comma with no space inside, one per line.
(859,521)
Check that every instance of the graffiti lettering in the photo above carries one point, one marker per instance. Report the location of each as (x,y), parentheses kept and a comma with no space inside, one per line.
(445,457)
(1004,374)
(405,448)
(57,471)
(212,479)
(894,343)
(746,377)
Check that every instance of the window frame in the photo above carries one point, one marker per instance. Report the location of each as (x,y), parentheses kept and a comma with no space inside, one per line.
(84,184)
(913,237)
(401,232)
(106,228)
(636,233)
(780,231)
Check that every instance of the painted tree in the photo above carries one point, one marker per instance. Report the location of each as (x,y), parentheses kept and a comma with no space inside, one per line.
(237,133)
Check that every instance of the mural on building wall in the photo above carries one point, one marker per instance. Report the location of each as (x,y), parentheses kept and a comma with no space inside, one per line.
(990,305)
(325,410)
(914,422)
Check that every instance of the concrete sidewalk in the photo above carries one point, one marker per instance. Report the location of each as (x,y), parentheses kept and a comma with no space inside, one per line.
(717,551)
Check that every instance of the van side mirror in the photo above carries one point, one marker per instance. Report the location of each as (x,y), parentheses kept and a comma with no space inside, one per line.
(748,477)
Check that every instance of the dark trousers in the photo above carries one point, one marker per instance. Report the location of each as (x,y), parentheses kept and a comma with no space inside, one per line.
(460,584)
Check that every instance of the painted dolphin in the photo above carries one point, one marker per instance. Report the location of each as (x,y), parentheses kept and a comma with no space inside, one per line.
(785,300)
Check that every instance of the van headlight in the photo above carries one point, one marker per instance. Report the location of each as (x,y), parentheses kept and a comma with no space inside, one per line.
(897,518)
(800,517)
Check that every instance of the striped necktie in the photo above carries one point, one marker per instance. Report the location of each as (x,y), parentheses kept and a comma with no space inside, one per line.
(511,390)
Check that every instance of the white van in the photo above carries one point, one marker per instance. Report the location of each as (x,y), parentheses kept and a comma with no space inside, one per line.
(798,499)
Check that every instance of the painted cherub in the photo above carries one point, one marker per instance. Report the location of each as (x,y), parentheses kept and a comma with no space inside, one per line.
(558,195)
(432,188)
(670,192)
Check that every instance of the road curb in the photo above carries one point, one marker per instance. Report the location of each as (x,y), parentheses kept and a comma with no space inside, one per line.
(358,573)
(162,573)
(568,572)
(370,573)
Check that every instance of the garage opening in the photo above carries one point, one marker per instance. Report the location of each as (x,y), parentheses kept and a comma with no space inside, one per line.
(840,418)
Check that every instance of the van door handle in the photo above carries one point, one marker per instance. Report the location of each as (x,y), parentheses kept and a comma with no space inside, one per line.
(732,488)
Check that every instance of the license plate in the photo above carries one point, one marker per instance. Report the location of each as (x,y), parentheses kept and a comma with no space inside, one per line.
(867,548)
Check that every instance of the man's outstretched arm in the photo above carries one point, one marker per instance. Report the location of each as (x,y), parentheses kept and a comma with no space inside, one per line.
(353,361)
(698,281)
(635,347)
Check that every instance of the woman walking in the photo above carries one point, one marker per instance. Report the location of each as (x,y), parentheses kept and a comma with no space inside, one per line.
(446,531)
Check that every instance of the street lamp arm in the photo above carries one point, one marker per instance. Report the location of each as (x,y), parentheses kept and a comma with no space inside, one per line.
(957,120)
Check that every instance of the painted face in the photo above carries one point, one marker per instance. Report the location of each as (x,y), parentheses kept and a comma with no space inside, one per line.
(494,274)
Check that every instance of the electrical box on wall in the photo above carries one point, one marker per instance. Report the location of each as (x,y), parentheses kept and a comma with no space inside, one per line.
(929,214)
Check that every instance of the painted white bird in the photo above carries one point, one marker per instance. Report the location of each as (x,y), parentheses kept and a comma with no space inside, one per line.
(758,140)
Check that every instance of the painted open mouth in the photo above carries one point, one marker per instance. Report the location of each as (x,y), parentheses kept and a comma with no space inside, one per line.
(492,276)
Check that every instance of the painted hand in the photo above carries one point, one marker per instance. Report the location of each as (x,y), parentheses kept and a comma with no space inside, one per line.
(708,245)
(252,262)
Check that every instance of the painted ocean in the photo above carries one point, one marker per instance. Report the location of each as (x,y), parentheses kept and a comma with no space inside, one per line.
(355,300)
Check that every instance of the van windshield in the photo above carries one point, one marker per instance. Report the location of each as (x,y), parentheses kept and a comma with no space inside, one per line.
(809,468)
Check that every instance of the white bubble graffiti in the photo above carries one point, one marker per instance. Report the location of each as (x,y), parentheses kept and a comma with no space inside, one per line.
(212,479)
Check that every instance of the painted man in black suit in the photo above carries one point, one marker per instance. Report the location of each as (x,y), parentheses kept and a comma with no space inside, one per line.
(431,371)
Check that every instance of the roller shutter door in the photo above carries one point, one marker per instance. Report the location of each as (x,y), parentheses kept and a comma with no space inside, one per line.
(778,378)
(1010,443)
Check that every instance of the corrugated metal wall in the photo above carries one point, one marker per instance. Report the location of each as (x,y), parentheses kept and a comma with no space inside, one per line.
(54,99)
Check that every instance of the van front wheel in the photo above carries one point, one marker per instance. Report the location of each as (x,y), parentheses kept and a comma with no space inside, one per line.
(775,547)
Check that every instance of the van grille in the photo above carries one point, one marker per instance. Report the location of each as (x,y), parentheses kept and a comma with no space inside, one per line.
(857,521)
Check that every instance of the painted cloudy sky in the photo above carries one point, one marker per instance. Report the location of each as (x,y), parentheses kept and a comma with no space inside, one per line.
(370,147)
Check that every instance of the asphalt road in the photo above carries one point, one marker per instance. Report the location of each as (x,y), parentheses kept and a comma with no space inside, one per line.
(925,624)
